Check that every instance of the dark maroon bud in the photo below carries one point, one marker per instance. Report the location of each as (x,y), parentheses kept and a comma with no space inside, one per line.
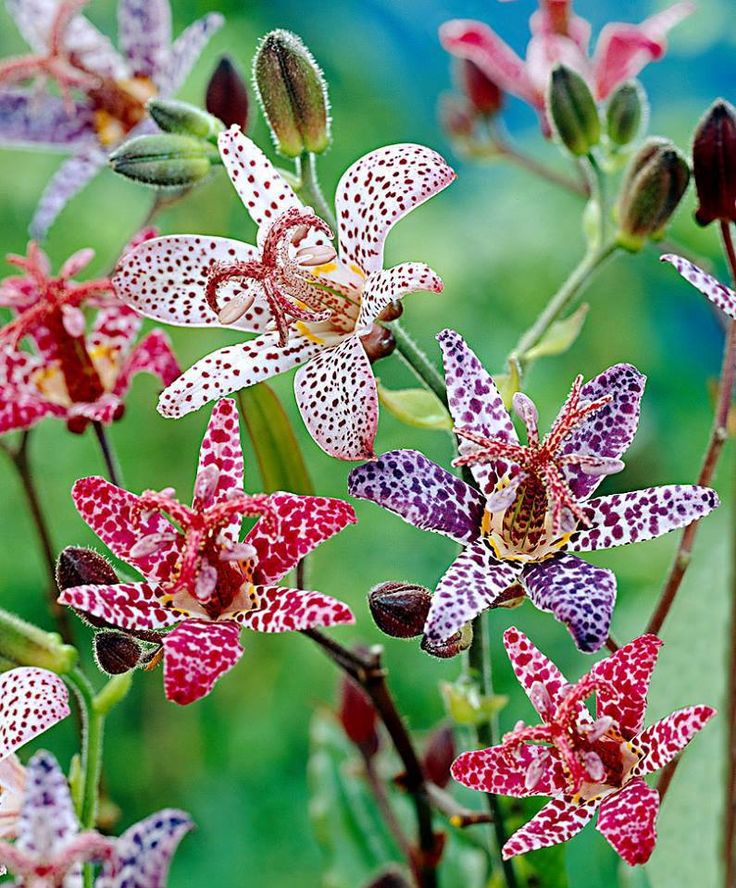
(393,311)
(358,717)
(714,164)
(77,424)
(119,412)
(484,95)
(457,643)
(379,343)
(439,755)
(390,878)
(457,116)
(400,609)
(77,566)
(227,95)
(116,653)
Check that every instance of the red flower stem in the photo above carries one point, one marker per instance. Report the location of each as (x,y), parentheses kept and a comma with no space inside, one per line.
(111,463)
(612,644)
(370,674)
(718,435)
(665,777)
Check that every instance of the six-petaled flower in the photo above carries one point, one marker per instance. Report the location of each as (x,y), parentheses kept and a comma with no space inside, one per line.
(310,305)
(584,763)
(533,504)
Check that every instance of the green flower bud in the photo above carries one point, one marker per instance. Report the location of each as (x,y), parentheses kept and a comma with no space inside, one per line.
(573,111)
(22,644)
(292,93)
(652,188)
(625,111)
(168,160)
(188,120)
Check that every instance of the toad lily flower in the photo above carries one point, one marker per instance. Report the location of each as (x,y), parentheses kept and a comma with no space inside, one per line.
(103,91)
(70,374)
(584,764)
(534,503)
(719,294)
(560,36)
(199,576)
(311,306)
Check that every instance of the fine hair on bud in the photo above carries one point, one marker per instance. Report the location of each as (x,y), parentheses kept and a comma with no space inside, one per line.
(400,609)
(626,112)
(79,566)
(116,653)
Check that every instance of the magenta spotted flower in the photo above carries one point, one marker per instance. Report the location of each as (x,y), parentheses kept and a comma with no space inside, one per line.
(719,294)
(311,306)
(585,764)
(533,504)
(199,576)
(101,91)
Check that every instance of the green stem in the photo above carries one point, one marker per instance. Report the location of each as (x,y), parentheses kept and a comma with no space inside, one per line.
(598,192)
(306,168)
(93,723)
(418,362)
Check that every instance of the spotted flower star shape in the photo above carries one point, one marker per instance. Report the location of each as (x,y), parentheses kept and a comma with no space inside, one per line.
(585,764)
(70,373)
(102,91)
(199,576)
(311,306)
(533,504)
(560,36)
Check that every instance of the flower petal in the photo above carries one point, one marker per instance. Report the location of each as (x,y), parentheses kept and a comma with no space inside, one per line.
(421,492)
(472,583)
(196,654)
(127,605)
(383,287)
(503,771)
(232,368)
(557,822)
(719,294)
(663,740)
(30,119)
(286,610)
(185,51)
(222,451)
(378,190)
(577,594)
(337,398)
(531,667)
(69,179)
(21,403)
(623,518)
(47,821)
(115,325)
(153,355)
(32,700)
(302,523)
(628,821)
(144,34)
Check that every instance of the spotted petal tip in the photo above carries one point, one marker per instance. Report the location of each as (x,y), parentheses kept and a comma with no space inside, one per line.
(719,294)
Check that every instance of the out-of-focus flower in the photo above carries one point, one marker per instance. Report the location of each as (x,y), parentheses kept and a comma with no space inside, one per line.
(534,505)
(714,164)
(482,93)
(310,305)
(585,764)
(560,36)
(70,373)
(102,91)
(227,95)
(439,755)
(719,294)
(626,109)
(199,575)
(358,717)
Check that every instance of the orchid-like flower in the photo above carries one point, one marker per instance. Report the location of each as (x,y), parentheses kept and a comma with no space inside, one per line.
(311,306)
(584,763)
(533,504)
(103,92)
(70,373)
(719,294)
(199,575)
(560,36)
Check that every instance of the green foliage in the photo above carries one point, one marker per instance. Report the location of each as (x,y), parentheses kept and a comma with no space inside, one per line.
(416,407)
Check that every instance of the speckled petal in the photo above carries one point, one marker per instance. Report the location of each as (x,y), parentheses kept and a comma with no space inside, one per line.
(663,740)
(578,594)
(719,294)
(472,583)
(115,326)
(291,610)
(185,51)
(152,355)
(21,404)
(532,667)
(47,820)
(628,820)
(127,605)
(69,179)
(28,118)
(221,460)
(377,191)
(196,654)
(144,34)
(32,700)
(503,771)
(557,822)
(383,287)
(421,492)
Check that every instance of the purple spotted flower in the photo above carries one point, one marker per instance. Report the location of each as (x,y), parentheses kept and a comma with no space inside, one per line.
(101,91)
(533,504)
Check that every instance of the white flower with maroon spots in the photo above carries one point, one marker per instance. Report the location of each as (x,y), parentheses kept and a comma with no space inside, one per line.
(199,576)
(534,503)
(311,306)
(584,764)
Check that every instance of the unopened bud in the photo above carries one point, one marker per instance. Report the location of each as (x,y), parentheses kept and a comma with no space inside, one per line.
(400,609)
(626,108)
(379,343)
(22,644)
(439,755)
(116,653)
(457,643)
(483,94)
(457,116)
(227,95)
(392,312)
(293,94)
(714,164)
(77,566)
(168,160)
(173,116)
(358,717)
(652,188)
(573,111)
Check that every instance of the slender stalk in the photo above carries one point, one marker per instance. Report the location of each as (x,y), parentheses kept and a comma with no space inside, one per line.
(108,454)
(457,814)
(418,362)
(307,171)
(539,169)
(378,789)
(665,778)
(729,838)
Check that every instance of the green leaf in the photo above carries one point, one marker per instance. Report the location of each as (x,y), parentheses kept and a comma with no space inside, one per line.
(415,407)
(466,705)
(560,335)
(508,384)
(277,450)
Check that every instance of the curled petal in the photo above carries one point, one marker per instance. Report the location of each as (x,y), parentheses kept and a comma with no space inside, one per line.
(48,821)
(291,610)
(557,822)
(32,700)
(662,741)
(152,355)
(384,287)
(628,821)
(127,605)
(196,654)
(719,294)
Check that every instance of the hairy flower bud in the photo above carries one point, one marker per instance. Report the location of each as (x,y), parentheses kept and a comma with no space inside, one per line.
(714,164)
(173,116)
(22,644)
(358,717)
(625,111)
(484,95)
(457,643)
(400,609)
(169,160)
(439,755)
(379,343)
(116,653)
(392,311)
(77,566)
(573,111)
(293,94)
(227,95)
(653,187)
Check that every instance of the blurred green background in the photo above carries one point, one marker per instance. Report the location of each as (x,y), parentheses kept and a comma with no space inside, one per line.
(502,242)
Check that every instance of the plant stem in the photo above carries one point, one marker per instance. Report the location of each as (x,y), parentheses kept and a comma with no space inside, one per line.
(418,362)
(384,806)
(108,454)
(729,839)
(537,168)
(306,169)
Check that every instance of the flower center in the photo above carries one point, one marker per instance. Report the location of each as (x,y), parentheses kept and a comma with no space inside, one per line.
(120,105)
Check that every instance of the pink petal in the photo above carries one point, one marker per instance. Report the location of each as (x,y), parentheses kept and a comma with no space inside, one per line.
(196,654)
(105,409)
(76,262)
(628,821)
(21,404)
(302,523)
(662,741)
(185,51)
(115,326)
(383,287)
(337,398)
(291,610)
(144,34)
(32,700)
(547,50)
(221,455)
(719,294)
(69,179)
(557,822)
(503,771)
(152,355)
(127,605)
(377,191)
(531,667)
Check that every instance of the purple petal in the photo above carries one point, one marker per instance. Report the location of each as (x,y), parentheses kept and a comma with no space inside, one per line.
(47,820)
(33,119)
(185,51)
(719,294)
(70,178)
(144,35)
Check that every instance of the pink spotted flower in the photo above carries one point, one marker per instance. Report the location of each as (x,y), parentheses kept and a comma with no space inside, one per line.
(70,372)
(584,764)
(311,306)
(532,505)
(199,576)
